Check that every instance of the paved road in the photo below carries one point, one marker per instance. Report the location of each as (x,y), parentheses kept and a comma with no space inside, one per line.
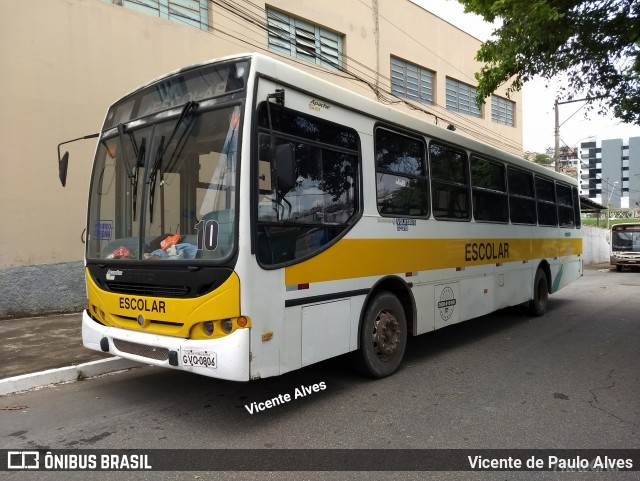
(567,380)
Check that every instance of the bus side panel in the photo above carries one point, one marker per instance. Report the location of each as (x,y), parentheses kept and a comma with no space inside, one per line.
(567,270)
(425,305)
(325,330)
(477,293)
(514,283)
(291,347)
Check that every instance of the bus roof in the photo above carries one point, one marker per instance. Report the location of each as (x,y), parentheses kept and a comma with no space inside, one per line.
(269,67)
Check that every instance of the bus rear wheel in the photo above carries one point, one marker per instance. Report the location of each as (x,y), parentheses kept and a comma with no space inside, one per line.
(538,305)
(383,337)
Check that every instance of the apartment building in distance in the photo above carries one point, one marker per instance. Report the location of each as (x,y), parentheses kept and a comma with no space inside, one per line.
(610,172)
(66,61)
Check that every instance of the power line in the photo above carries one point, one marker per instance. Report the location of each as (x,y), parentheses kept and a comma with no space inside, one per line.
(359,74)
(357,71)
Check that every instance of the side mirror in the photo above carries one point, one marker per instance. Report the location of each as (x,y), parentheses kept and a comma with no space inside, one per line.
(63,164)
(63,161)
(286,167)
(608,238)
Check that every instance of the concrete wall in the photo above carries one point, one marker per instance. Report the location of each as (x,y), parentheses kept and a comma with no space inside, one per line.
(595,248)
(65,61)
(42,289)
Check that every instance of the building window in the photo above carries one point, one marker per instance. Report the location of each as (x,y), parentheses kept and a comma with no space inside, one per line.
(502,110)
(461,98)
(411,82)
(303,40)
(189,12)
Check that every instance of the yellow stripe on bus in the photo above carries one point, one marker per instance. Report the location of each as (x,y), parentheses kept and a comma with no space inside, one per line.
(352,258)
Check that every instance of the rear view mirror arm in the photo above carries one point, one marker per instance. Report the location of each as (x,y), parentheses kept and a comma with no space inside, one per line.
(64,159)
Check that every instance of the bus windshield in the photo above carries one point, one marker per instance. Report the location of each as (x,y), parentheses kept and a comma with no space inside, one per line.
(626,238)
(163,186)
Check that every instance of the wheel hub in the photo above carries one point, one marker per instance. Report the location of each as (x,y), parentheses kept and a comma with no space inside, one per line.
(386,335)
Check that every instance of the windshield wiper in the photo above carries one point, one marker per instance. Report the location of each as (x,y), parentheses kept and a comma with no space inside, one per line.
(135,174)
(121,128)
(152,178)
(162,149)
(158,160)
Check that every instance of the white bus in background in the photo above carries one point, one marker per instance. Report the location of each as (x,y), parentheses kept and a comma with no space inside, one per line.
(625,246)
(247,219)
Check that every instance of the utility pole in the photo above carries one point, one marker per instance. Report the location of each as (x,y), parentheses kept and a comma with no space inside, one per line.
(556,154)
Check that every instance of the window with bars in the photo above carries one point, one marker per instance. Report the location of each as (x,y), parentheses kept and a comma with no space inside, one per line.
(303,40)
(461,98)
(189,12)
(411,82)
(502,110)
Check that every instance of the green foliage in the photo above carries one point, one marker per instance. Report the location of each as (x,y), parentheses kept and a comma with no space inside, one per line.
(595,43)
(602,221)
(542,159)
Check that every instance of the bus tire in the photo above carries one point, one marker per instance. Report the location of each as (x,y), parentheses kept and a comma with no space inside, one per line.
(538,305)
(383,337)
(618,267)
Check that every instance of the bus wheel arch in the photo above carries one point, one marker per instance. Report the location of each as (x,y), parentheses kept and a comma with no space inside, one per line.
(383,331)
(540,290)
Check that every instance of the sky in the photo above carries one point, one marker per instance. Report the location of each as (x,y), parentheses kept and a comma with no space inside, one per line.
(537,98)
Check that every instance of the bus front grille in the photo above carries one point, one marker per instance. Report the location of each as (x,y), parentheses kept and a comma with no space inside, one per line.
(151,352)
(148,289)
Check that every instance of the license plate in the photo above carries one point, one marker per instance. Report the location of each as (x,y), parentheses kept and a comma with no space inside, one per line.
(199,358)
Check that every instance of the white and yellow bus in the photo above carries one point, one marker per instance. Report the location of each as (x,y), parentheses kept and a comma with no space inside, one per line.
(625,245)
(247,219)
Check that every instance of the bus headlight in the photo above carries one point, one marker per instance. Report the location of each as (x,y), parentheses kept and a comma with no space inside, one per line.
(227,325)
(207,327)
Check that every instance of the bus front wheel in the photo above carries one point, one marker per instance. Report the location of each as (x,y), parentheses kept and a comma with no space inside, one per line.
(538,305)
(383,337)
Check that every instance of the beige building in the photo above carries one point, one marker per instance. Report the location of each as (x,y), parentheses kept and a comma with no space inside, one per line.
(65,61)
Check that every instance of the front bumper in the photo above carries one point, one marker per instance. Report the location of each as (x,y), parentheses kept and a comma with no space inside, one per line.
(628,261)
(232,351)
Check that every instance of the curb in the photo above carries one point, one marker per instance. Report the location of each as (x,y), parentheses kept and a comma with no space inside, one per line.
(25,382)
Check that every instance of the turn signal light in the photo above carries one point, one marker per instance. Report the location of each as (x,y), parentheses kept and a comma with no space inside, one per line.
(242,321)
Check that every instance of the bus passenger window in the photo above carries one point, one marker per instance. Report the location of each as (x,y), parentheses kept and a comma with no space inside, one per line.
(401,175)
(489,191)
(576,206)
(322,200)
(547,213)
(450,183)
(565,205)
(522,197)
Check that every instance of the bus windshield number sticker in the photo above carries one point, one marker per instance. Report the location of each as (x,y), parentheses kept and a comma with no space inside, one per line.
(102,229)
(207,235)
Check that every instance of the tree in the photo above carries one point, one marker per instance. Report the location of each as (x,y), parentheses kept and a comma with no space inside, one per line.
(596,43)
(542,159)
